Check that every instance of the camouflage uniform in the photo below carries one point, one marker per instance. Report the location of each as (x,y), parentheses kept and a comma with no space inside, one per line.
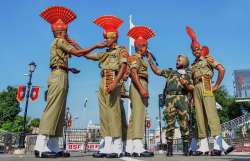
(109,103)
(176,103)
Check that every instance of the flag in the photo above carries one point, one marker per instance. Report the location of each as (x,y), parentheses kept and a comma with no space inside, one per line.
(131,40)
(34,93)
(69,117)
(21,93)
(85,102)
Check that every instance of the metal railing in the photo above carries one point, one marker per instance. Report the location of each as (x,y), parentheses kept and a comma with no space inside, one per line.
(236,123)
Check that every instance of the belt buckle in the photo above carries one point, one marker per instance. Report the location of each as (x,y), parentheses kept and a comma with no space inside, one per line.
(109,77)
(207,86)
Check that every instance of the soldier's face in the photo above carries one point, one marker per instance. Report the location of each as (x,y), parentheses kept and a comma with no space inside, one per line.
(110,39)
(196,51)
(179,63)
(142,48)
(61,34)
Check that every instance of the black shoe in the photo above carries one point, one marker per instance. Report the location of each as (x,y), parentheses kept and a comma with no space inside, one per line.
(63,154)
(143,154)
(215,153)
(191,152)
(200,153)
(126,154)
(185,149)
(135,154)
(169,150)
(229,150)
(39,154)
(99,155)
(113,155)
(146,154)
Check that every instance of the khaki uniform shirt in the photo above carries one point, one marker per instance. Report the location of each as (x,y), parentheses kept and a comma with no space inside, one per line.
(204,66)
(59,53)
(137,62)
(111,59)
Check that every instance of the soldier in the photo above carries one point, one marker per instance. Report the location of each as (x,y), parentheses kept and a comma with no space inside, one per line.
(178,85)
(138,92)
(205,105)
(113,63)
(52,121)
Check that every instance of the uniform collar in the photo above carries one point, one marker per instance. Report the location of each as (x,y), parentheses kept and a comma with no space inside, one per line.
(108,50)
(182,71)
(201,58)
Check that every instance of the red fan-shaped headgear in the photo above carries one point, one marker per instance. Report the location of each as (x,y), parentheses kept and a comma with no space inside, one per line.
(191,34)
(59,17)
(110,24)
(140,34)
(204,51)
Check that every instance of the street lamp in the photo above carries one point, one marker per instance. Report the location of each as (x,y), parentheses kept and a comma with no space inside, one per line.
(32,67)
(161,104)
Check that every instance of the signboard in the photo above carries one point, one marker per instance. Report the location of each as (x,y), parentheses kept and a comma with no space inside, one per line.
(93,146)
(242,84)
(75,147)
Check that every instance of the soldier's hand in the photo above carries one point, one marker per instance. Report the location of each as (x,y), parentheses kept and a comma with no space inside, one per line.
(101,45)
(149,57)
(215,88)
(74,70)
(144,93)
(183,81)
(112,87)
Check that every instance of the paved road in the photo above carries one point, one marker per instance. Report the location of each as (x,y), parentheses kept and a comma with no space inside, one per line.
(161,157)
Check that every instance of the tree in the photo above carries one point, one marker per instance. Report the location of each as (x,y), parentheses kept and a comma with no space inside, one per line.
(16,125)
(230,108)
(35,122)
(9,106)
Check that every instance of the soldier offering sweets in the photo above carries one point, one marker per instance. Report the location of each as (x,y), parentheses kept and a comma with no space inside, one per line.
(178,85)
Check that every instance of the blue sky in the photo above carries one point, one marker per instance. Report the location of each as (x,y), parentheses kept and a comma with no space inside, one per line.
(222,25)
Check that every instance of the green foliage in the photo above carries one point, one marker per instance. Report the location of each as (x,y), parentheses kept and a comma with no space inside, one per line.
(35,122)
(230,108)
(16,125)
(9,109)
(9,106)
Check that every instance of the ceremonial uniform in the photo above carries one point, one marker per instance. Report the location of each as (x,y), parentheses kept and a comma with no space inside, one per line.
(54,111)
(109,103)
(205,105)
(52,121)
(138,104)
(139,74)
(111,63)
(176,103)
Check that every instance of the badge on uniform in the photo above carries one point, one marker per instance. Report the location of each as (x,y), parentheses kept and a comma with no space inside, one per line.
(207,87)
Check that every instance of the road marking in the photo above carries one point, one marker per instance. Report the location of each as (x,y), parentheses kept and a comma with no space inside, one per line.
(129,159)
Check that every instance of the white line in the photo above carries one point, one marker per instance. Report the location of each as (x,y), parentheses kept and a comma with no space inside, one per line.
(129,159)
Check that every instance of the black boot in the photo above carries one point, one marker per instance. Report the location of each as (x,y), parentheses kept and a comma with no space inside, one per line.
(113,155)
(99,155)
(185,149)
(39,154)
(229,150)
(64,154)
(215,153)
(200,153)
(170,149)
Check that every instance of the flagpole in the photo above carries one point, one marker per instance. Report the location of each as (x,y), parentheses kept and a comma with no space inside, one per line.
(129,80)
